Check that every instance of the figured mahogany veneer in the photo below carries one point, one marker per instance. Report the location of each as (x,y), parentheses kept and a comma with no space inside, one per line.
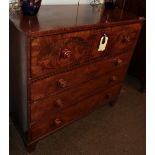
(52,53)
(54,84)
(50,123)
(57,74)
(52,103)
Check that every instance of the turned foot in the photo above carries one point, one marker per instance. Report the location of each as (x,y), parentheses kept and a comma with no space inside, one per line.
(31,147)
(112,103)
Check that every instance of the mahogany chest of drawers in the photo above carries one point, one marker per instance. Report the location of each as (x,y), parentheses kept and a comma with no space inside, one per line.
(57,72)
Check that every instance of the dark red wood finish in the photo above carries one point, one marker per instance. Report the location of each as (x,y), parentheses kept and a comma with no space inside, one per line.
(60,74)
(60,82)
(57,19)
(53,53)
(138,69)
(52,103)
(50,123)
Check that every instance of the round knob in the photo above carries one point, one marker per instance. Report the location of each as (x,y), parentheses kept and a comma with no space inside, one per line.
(113,78)
(126,39)
(66,53)
(57,122)
(118,62)
(59,103)
(62,83)
(108,96)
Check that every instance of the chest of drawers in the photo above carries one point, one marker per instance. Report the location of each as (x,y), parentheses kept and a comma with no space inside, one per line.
(57,73)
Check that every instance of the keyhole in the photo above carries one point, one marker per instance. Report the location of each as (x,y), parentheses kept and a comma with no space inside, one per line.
(103,41)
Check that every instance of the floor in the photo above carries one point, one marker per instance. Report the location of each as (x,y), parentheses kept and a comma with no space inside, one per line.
(118,130)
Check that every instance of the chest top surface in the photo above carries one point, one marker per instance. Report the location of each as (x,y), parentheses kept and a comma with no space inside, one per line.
(60,18)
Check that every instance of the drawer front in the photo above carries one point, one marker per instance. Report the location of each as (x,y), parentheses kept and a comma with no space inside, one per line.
(49,124)
(63,81)
(45,54)
(52,104)
(124,38)
(120,39)
(51,53)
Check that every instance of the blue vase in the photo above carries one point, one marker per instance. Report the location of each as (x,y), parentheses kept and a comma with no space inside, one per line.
(30,7)
(109,4)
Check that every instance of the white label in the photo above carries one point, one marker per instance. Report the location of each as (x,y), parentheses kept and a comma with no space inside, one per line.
(103,45)
(101,1)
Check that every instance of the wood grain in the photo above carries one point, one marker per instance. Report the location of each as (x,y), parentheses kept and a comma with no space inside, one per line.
(47,125)
(48,52)
(57,74)
(50,85)
(78,92)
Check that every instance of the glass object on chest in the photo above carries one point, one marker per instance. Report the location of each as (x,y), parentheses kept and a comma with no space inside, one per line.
(30,7)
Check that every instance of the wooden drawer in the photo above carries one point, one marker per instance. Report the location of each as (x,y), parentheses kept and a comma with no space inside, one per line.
(120,39)
(60,82)
(53,122)
(124,38)
(51,53)
(55,103)
(56,52)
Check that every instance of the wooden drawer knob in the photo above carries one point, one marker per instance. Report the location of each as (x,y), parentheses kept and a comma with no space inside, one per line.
(65,53)
(113,78)
(59,103)
(118,62)
(126,39)
(108,96)
(62,83)
(57,122)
